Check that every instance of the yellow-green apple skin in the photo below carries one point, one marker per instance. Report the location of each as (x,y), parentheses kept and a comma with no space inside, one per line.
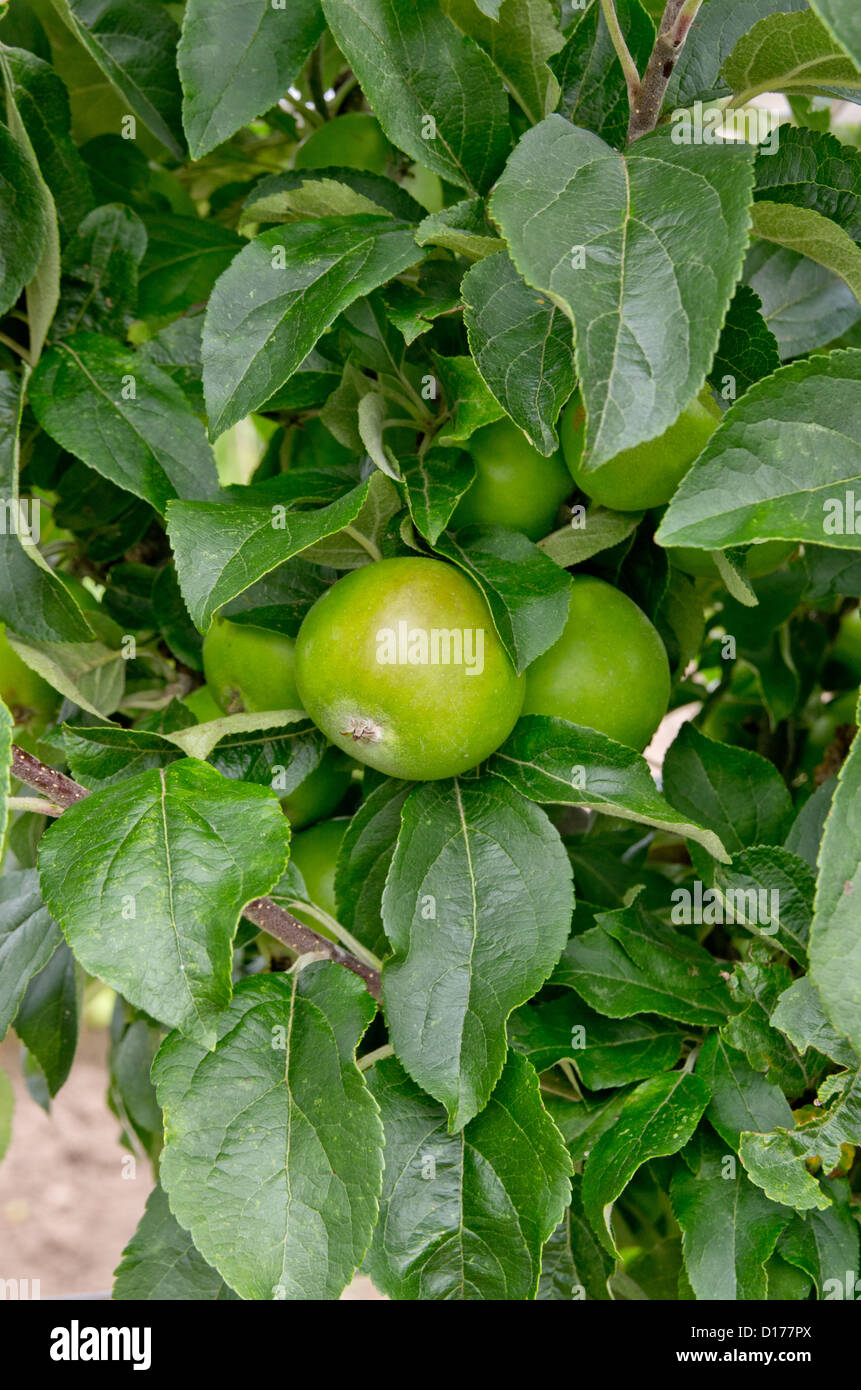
(372,671)
(647,475)
(84,597)
(760,559)
(514,485)
(608,671)
(203,705)
(425,186)
(320,793)
(249,669)
(30,700)
(315,853)
(846,651)
(353,141)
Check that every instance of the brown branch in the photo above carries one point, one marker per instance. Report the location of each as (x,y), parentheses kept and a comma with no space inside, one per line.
(56,785)
(647,101)
(263,912)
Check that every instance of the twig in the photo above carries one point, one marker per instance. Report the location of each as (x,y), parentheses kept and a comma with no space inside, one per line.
(263,912)
(37,804)
(58,788)
(16,347)
(648,97)
(629,67)
(371,1058)
(315,82)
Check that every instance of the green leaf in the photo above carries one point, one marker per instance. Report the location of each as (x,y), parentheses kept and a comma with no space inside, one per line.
(594,91)
(804,305)
(243,541)
(435,93)
(757,986)
(736,793)
(631,964)
(614,241)
(657,1118)
(89,674)
(334,191)
(747,350)
(134,44)
(574,1264)
(812,235)
(363,862)
(33,602)
(371,419)
(103,756)
(557,763)
(729,1228)
(124,418)
(462,228)
(28,938)
(49,1014)
(776,1162)
(606,1052)
(824,1244)
(477,907)
(6,727)
(161,1262)
(44,285)
(741,1098)
(43,106)
(243,747)
(464,1217)
(800,1015)
(237,60)
(131,1094)
(467,398)
(359,541)
(782,460)
(7,1106)
(718,28)
(436,291)
(769,890)
(527,594)
(147,880)
(811,169)
(788,53)
(99,286)
(184,258)
(596,529)
(435,483)
(522,347)
(280,294)
(834,943)
(24,218)
(273,1153)
(519,39)
(841,19)
(278,756)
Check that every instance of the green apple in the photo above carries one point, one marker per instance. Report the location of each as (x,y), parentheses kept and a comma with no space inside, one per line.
(647,475)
